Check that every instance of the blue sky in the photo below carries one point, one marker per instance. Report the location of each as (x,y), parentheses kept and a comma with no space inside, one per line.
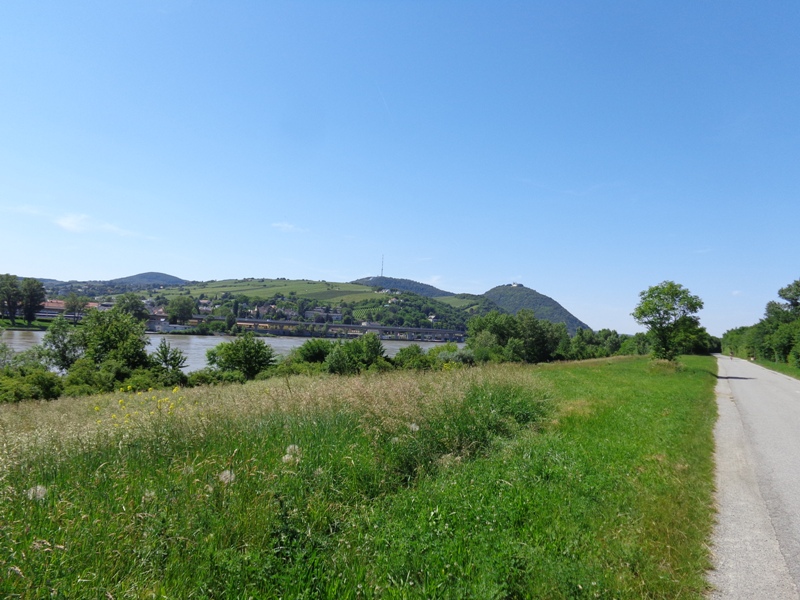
(588,150)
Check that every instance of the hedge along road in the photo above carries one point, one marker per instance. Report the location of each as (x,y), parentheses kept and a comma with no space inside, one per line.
(756,544)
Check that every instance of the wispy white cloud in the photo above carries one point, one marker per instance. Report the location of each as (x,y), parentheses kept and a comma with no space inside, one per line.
(75,223)
(288,227)
(433,280)
(736,293)
(24,209)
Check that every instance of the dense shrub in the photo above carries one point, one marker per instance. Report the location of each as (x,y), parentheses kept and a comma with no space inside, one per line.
(354,356)
(35,384)
(210,376)
(315,350)
(87,377)
(412,357)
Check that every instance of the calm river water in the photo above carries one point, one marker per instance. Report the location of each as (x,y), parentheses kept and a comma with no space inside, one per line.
(195,346)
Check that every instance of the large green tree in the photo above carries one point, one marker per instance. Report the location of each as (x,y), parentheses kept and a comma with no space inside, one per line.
(522,337)
(75,305)
(132,303)
(776,337)
(791,293)
(180,309)
(61,344)
(114,335)
(246,354)
(168,364)
(667,310)
(32,297)
(10,296)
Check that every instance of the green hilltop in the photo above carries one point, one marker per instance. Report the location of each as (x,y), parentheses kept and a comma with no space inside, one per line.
(514,297)
(149,279)
(510,298)
(403,285)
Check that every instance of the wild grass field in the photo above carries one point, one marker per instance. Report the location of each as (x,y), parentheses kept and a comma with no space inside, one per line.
(581,480)
(457,302)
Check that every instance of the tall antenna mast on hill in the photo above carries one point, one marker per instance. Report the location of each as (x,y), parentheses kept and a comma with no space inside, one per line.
(381,265)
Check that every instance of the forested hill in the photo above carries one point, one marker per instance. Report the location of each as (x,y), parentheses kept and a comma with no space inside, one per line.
(403,285)
(512,298)
(149,279)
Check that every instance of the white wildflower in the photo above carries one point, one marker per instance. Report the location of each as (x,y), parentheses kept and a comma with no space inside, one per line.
(293,449)
(227,476)
(37,492)
(292,456)
(413,427)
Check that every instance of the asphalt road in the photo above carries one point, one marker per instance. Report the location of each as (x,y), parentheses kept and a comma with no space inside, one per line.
(756,544)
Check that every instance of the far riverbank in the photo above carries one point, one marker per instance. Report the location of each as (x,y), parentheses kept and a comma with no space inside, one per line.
(195,346)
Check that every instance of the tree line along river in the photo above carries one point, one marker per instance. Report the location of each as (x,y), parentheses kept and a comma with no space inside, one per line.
(195,346)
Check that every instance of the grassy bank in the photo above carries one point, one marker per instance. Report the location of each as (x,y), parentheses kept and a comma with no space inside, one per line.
(584,480)
(784,368)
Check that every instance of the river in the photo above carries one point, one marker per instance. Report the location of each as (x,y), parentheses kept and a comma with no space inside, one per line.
(195,346)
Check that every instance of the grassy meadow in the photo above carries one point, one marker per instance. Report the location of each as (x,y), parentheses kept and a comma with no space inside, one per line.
(581,480)
(460,302)
(321,291)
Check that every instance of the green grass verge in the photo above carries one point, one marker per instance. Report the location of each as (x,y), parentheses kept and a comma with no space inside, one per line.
(784,368)
(563,481)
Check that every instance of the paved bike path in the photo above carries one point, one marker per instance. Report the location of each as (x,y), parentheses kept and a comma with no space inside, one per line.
(756,542)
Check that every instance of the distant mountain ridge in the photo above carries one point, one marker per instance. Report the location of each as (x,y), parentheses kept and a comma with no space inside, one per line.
(403,285)
(510,298)
(142,281)
(149,279)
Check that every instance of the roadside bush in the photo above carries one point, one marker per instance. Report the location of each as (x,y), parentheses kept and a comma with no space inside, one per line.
(794,355)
